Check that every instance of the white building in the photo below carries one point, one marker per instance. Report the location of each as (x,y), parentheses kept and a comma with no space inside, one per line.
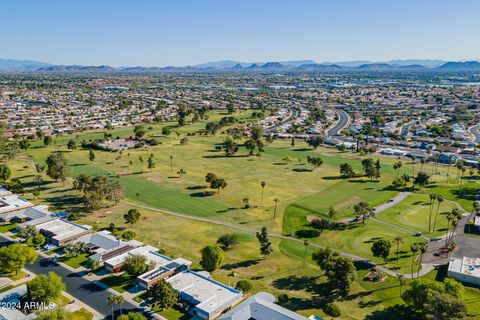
(465,270)
(261,306)
(208,297)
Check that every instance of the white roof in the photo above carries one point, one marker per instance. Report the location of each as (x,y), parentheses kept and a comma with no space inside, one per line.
(62,229)
(31,213)
(261,306)
(213,297)
(465,265)
(104,240)
(149,252)
(11,202)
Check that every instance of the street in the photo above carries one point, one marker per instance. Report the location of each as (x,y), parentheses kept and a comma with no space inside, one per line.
(77,286)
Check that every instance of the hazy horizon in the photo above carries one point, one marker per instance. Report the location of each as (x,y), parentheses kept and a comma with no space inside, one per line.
(145,33)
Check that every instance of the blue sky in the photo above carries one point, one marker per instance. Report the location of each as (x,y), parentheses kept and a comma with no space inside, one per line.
(181,32)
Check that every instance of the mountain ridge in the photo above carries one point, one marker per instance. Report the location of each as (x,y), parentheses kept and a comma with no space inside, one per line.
(12,65)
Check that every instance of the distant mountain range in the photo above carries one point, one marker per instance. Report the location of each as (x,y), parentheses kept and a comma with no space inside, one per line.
(10,65)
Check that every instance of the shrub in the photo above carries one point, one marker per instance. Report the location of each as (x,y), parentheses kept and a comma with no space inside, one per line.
(332,310)
(283,298)
(244,286)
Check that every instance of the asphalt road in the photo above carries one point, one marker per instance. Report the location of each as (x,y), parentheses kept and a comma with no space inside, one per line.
(476,132)
(77,286)
(342,122)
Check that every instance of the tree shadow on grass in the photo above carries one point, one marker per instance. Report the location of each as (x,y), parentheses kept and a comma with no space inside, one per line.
(396,312)
(302,149)
(307,234)
(298,283)
(202,194)
(302,170)
(334,178)
(196,187)
(241,264)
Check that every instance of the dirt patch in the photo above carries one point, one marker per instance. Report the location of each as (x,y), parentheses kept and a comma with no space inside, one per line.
(310,219)
(157,179)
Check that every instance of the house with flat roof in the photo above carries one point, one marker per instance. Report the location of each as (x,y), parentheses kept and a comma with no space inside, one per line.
(60,231)
(261,306)
(465,269)
(100,241)
(114,264)
(27,214)
(164,271)
(11,202)
(208,298)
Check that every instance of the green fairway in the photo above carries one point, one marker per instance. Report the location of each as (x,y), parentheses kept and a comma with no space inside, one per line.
(413,213)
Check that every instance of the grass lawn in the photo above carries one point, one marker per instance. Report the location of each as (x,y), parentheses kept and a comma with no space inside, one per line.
(120,283)
(413,214)
(82,314)
(75,262)
(13,276)
(7,227)
(173,314)
(62,301)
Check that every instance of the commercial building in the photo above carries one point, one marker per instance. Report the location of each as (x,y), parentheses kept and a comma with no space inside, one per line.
(261,306)
(27,214)
(11,202)
(208,298)
(115,263)
(465,270)
(59,231)
(172,267)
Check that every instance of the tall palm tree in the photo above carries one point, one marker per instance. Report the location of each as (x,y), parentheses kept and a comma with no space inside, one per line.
(306,243)
(461,178)
(120,300)
(423,249)
(433,197)
(112,300)
(263,184)
(413,249)
(450,217)
(397,242)
(171,163)
(275,208)
(402,281)
(476,208)
(422,162)
(414,159)
(439,201)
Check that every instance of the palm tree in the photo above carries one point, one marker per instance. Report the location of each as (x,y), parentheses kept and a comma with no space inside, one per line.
(423,249)
(397,242)
(112,300)
(463,169)
(433,197)
(120,300)
(263,184)
(171,163)
(422,162)
(476,208)
(439,201)
(450,217)
(413,249)
(306,243)
(402,281)
(414,158)
(275,208)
